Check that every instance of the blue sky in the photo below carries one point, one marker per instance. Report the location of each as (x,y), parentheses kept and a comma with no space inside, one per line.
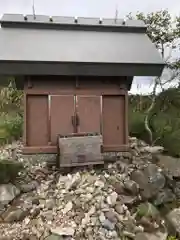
(93,8)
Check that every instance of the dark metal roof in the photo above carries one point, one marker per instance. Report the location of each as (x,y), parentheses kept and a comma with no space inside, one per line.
(34,46)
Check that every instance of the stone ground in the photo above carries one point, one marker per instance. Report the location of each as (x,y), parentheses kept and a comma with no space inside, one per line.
(136,197)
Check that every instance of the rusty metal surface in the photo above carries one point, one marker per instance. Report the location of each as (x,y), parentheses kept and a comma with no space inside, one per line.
(89,112)
(113,122)
(37,120)
(61,111)
(80,150)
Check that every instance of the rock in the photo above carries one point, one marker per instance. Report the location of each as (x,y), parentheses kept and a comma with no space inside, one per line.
(163,197)
(90,203)
(94,221)
(77,204)
(139,229)
(102,217)
(122,167)
(89,231)
(33,237)
(53,237)
(6,238)
(50,204)
(129,234)
(174,219)
(40,173)
(35,212)
(85,220)
(154,236)
(147,210)
(152,149)
(112,198)
(2,207)
(113,234)
(129,223)
(108,225)
(88,197)
(150,180)
(63,231)
(139,177)
(118,187)
(91,211)
(147,224)
(99,183)
(119,228)
(35,200)
(68,207)
(126,159)
(90,189)
(176,188)
(111,216)
(28,187)
(9,170)
(170,164)
(78,219)
(128,200)
(131,186)
(47,216)
(15,215)
(73,182)
(119,208)
(7,193)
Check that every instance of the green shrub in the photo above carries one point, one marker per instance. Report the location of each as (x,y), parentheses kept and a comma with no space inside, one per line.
(10,128)
(14,127)
(165,128)
(171,142)
(136,125)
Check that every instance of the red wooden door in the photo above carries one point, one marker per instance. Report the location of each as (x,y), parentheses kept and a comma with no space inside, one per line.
(61,112)
(89,113)
(37,126)
(63,108)
(113,122)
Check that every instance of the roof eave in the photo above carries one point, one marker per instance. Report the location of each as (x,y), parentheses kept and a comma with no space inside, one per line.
(80,69)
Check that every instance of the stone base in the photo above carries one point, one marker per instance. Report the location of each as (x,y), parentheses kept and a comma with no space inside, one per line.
(52,159)
(80,150)
(47,159)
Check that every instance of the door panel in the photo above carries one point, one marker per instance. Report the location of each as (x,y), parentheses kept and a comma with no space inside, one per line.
(89,112)
(113,122)
(37,125)
(61,112)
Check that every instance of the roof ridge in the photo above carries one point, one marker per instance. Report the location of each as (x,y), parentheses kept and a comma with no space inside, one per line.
(77,23)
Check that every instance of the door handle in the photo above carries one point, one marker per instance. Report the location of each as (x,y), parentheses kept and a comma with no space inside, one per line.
(77,120)
(73,121)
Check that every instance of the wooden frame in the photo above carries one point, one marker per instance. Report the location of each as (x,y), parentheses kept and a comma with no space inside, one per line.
(30,89)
